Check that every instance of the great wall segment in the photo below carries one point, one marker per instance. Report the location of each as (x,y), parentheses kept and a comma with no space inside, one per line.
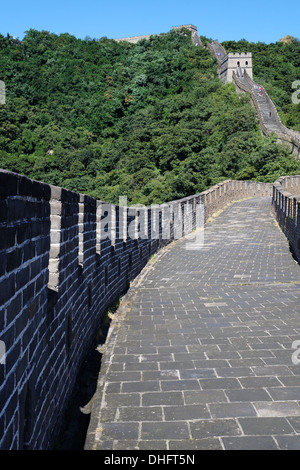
(237,68)
(194,35)
(59,275)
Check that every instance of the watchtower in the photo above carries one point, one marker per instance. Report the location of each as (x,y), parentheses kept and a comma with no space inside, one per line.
(194,30)
(235,62)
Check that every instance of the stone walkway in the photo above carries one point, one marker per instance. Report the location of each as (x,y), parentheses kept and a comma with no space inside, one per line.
(203,358)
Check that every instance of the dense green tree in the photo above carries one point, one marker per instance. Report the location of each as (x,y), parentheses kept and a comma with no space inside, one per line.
(149,120)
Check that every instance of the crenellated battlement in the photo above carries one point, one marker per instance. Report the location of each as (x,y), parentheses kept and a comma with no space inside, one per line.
(191,27)
(240,54)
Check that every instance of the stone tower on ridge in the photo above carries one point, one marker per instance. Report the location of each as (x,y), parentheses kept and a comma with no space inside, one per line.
(195,38)
(235,62)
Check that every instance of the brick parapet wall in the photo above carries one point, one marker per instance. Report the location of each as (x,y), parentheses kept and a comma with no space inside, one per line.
(286,208)
(134,39)
(59,275)
(290,184)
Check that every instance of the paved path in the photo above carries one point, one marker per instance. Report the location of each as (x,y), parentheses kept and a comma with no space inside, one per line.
(203,359)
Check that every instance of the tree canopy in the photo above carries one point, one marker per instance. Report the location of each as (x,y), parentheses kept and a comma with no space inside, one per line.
(151,120)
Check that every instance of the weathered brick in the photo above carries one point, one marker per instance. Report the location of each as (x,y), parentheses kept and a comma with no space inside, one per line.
(15,209)
(3,211)
(28,293)
(8,183)
(23,232)
(13,309)
(7,288)
(7,237)
(14,259)
(3,258)
(22,277)
(29,250)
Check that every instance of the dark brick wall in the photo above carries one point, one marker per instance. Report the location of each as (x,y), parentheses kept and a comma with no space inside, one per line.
(57,278)
(24,259)
(286,208)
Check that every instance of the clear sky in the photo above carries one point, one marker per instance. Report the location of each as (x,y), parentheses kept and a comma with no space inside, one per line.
(265,20)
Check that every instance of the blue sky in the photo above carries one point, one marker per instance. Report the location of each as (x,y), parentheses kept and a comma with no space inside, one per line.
(217,19)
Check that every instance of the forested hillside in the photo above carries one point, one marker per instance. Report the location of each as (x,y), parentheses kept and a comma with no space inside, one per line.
(150,120)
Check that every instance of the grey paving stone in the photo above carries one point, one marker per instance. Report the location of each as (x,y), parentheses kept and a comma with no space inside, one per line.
(263,382)
(265,426)
(217,428)
(289,381)
(153,445)
(169,385)
(118,431)
(123,376)
(248,395)
(288,442)
(285,393)
(211,363)
(197,373)
(220,383)
(161,375)
(108,415)
(186,412)
(211,396)
(142,366)
(105,445)
(272,370)
(295,423)
(196,444)
(249,443)
(114,387)
(148,386)
(223,354)
(160,398)
(277,408)
(232,410)
(178,365)
(126,445)
(123,399)
(188,356)
(262,353)
(165,430)
(140,413)
(234,372)
(253,361)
